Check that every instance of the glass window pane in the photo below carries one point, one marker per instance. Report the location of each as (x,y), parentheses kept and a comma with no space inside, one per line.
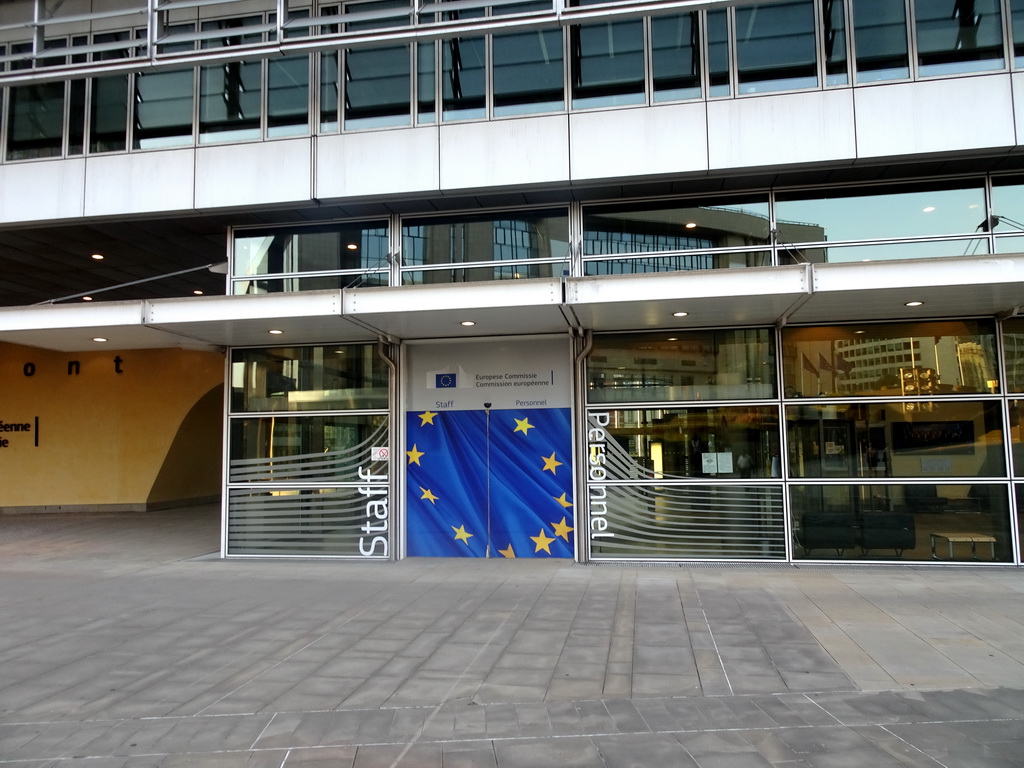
(958,36)
(523,235)
(1013,345)
(862,214)
(680,262)
(673,366)
(733,442)
(240,287)
(887,251)
(696,521)
(163,108)
(675,57)
(891,359)
(880,40)
(833,14)
(607,64)
(307,521)
(528,72)
(230,94)
(905,522)
(378,87)
(426,83)
(464,69)
(963,439)
(329,247)
(328,92)
(718,53)
(1017,24)
(304,448)
(1007,201)
(288,96)
(480,274)
(308,378)
(108,124)
(680,226)
(1017,437)
(775,47)
(35,122)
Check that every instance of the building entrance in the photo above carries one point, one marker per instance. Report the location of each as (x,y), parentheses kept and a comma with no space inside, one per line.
(488,450)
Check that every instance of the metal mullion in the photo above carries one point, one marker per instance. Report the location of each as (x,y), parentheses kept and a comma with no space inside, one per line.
(1007,397)
(648,44)
(912,64)
(819,44)
(395,249)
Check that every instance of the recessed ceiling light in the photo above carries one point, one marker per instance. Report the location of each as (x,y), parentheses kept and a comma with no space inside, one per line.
(680,314)
(87,298)
(352,247)
(275,331)
(860,331)
(914,303)
(197,292)
(99,339)
(97,256)
(928,208)
(691,225)
(467,323)
(672,338)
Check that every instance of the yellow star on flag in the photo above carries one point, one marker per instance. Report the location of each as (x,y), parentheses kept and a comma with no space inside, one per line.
(428,495)
(542,542)
(427,418)
(414,455)
(508,552)
(523,425)
(460,533)
(549,463)
(563,501)
(562,529)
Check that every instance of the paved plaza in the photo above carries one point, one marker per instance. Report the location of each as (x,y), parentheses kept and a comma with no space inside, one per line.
(126,643)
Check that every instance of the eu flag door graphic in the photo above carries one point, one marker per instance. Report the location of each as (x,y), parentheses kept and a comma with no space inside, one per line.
(488,454)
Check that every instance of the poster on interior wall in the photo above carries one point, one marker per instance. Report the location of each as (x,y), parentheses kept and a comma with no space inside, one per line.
(488,453)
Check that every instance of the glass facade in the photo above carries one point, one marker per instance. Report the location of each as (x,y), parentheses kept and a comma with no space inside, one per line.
(883,442)
(308,446)
(501,69)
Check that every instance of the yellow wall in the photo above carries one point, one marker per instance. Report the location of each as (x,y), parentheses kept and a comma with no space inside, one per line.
(149,435)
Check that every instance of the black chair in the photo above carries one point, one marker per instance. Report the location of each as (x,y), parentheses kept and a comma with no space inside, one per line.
(887,530)
(826,530)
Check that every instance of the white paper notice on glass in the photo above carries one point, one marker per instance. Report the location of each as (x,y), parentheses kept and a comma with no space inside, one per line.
(709,463)
(725,463)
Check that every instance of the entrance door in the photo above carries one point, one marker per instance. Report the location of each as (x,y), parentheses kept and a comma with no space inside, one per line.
(489,456)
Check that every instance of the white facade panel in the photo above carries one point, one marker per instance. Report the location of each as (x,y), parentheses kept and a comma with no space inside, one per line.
(533,150)
(42,191)
(253,174)
(780,129)
(639,142)
(377,163)
(958,114)
(143,182)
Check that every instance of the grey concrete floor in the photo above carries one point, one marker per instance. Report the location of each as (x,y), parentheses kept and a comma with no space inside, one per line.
(123,643)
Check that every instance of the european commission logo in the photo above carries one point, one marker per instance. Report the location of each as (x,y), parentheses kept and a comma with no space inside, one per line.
(445,381)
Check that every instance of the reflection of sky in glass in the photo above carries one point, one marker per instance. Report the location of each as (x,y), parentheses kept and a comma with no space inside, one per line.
(1008,201)
(906,251)
(909,214)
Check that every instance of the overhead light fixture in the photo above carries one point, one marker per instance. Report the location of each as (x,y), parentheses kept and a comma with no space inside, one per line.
(352,247)
(928,208)
(275,332)
(680,314)
(87,298)
(197,292)
(97,257)
(99,339)
(467,323)
(860,331)
(691,225)
(914,303)
(672,338)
